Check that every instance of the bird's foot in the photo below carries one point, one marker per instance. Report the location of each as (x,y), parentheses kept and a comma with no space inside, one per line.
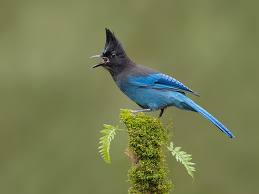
(140,110)
(161,113)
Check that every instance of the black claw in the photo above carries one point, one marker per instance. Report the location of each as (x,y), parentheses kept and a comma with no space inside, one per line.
(161,112)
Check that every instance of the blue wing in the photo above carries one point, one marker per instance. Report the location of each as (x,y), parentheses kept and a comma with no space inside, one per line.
(159,81)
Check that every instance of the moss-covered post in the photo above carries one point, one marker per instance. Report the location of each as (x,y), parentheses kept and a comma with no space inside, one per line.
(147,138)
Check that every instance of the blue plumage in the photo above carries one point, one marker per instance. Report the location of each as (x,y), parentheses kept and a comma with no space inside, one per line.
(160,81)
(150,89)
(150,92)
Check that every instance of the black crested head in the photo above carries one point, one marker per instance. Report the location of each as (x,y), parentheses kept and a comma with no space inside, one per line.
(110,38)
(112,45)
(114,58)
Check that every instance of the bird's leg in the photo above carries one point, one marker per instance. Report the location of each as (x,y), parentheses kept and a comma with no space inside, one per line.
(161,112)
(141,110)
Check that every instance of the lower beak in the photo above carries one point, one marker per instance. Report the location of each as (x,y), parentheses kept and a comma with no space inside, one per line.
(98,65)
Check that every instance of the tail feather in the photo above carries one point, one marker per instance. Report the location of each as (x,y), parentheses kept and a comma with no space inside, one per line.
(208,116)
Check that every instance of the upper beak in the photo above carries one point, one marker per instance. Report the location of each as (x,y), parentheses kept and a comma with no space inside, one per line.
(96,56)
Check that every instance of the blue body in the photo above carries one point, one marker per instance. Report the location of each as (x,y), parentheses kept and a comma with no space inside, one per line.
(154,90)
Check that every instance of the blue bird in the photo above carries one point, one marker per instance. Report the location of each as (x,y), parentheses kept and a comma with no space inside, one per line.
(148,88)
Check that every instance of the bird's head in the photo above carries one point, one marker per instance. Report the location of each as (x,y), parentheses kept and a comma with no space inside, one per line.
(113,56)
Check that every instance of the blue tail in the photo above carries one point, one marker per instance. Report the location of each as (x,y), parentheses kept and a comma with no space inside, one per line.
(208,116)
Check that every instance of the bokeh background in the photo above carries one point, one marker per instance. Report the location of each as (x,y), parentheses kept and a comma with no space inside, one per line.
(53,105)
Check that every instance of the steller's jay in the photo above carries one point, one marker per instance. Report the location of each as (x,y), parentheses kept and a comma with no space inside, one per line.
(148,88)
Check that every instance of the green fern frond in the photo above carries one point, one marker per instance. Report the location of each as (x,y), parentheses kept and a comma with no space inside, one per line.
(109,133)
(182,157)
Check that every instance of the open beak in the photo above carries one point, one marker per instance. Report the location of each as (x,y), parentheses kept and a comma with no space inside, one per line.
(104,60)
(96,56)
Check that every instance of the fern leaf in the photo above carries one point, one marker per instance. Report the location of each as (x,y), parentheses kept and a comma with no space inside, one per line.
(109,133)
(182,157)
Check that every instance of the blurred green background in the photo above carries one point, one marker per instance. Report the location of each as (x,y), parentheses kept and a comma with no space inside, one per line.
(53,104)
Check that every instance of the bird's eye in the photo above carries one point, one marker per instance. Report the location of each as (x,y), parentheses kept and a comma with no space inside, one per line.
(113,54)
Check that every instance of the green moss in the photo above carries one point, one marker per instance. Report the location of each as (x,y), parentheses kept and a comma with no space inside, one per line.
(147,137)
